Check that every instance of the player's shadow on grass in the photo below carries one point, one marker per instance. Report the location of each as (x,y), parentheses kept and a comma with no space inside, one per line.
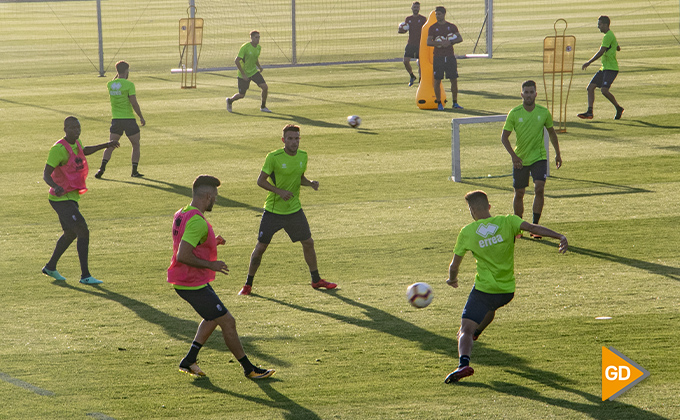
(654,268)
(277,400)
(595,408)
(178,328)
(381,321)
(185,191)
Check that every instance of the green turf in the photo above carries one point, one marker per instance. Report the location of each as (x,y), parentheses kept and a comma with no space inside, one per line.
(385,216)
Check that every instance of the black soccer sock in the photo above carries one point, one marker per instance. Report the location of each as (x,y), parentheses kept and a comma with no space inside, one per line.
(590,109)
(134,167)
(191,357)
(249,280)
(537,217)
(245,363)
(315,276)
(103,167)
(464,361)
(263,105)
(412,75)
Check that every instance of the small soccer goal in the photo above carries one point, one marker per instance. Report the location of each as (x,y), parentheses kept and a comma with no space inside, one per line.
(455,141)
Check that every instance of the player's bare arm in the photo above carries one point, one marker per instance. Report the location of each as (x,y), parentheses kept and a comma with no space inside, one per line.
(263,182)
(505,139)
(544,231)
(138,110)
(185,255)
(88,150)
(453,271)
(309,183)
(597,55)
(238,62)
(556,146)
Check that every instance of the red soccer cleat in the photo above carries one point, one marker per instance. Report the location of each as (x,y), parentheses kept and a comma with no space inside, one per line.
(323,283)
(459,374)
(245,290)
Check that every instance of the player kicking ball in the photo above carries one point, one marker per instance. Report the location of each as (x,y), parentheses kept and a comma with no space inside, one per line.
(492,242)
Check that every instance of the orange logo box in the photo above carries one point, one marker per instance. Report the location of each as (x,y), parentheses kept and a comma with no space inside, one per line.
(619,373)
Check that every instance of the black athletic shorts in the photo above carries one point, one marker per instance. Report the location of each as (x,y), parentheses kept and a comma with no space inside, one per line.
(445,67)
(69,214)
(204,301)
(127,125)
(537,170)
(244,84)
(411,51)
(480,303)
(295,225)
(604,78)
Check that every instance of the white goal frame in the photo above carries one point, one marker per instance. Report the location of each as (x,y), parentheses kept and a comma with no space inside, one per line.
(455,140)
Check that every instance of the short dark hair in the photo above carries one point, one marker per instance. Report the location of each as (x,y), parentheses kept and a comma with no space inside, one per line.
(290,127)
(477,199)
(202,181)
(70,118)
(604,19)
(440,9)
(529,83)
(254,32)
(415,2)
(122,66)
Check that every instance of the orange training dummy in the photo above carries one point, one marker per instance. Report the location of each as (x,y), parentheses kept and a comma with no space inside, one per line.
(425,97)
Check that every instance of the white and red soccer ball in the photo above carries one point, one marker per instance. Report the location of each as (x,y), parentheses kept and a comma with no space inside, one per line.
(419,295)
(354,121)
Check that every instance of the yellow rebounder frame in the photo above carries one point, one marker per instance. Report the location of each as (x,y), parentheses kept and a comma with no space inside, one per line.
(558,60)
(190,43)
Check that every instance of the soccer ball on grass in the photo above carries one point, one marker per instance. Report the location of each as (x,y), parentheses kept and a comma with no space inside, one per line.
(419,295)
(354,121)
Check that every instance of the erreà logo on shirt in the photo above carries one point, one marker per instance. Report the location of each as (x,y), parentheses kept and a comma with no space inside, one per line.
(115,89)
(487,232)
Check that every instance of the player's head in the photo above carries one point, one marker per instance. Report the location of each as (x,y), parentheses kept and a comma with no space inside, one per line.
(291,139)
(440,13)
(415,7)
(529,92)
(255,37)
(122,68)
(603,23)
(478,202)
(205,188)
(72,127)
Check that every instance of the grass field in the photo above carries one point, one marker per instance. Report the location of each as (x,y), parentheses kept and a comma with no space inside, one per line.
(385,216)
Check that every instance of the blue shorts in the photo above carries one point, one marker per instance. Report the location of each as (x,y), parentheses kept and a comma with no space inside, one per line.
(480,303)
(127,125)
(604,78)
(204,301)
(295,225)
(537,170)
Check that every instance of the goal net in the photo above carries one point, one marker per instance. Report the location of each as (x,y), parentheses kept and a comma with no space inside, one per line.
(484,154)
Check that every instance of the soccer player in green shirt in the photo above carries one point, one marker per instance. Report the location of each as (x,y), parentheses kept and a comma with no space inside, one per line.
(65,172)
(282,210)
(248,63)
(491,239)
(123,98)
(604,78)
(529,156)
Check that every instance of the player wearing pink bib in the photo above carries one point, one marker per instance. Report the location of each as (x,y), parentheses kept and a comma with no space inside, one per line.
(192,268)
(65,172)
(491,239)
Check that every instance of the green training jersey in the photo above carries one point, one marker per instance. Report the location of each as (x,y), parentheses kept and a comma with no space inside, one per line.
(249,55)
(196,228)
(286,173)
(528,127)
(609,57)
(492,242)
(58,156)
(120,91)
